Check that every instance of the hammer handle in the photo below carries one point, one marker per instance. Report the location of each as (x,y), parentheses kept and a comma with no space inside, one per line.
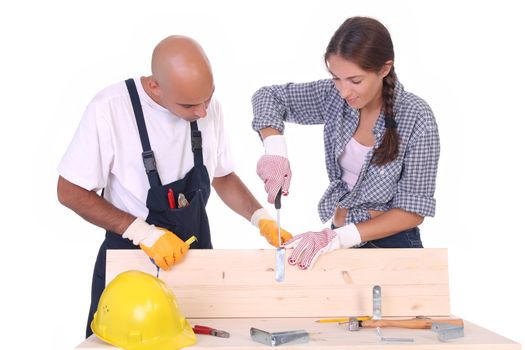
(415,323)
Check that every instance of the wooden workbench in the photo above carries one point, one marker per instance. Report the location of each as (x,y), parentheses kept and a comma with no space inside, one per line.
(234,290)
(331,336)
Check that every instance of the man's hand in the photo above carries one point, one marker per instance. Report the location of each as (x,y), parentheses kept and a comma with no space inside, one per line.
(308,246)
(164,247)
(274,168)
(268,228)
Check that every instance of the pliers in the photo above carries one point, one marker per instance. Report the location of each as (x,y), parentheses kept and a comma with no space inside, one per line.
(210,331)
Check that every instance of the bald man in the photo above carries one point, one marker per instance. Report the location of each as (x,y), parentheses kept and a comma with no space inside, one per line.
(153,144)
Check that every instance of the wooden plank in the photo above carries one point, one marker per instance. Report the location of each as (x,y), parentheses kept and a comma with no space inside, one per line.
(240,283)
(331,336)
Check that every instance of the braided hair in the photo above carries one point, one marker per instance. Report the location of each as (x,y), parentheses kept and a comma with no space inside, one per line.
(367,43)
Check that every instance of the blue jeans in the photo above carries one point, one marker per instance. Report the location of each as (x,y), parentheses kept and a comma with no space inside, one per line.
(405,239)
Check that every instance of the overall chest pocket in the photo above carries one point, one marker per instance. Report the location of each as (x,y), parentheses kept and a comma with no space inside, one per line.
(380,182)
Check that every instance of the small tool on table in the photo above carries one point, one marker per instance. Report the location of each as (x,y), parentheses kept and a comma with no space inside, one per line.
(280,254)
(447,331)
(210,331)
(279,338)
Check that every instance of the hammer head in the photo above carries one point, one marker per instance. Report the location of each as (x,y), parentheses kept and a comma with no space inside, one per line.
(353,324)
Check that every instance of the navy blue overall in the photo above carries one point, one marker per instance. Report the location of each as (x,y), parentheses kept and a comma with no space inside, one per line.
(185,222)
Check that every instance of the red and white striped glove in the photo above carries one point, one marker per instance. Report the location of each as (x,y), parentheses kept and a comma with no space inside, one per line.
(274,168)
(309,245)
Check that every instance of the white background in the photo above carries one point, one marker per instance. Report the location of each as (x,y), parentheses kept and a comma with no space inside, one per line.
(465,58)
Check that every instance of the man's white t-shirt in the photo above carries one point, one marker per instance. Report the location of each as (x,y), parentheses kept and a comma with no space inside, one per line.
(106,151)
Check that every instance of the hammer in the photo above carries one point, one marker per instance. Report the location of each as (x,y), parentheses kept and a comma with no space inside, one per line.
(414,323)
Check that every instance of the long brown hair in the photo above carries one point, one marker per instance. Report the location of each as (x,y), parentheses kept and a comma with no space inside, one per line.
(367,43)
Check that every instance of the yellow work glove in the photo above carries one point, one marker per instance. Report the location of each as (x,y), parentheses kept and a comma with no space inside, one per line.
(268,227)
(164,247)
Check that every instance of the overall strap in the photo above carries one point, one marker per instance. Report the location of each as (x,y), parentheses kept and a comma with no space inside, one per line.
(147,155)
(196,143)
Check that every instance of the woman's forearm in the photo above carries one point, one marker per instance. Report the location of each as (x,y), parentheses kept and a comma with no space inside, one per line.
(388,223)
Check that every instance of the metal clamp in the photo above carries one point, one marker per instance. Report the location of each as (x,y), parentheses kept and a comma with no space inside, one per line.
(279,338)
(376,315)
(376,303)
(446,332)
(404,340)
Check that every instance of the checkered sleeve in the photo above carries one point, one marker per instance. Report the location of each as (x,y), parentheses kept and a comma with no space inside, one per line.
(303,103)
(415,190)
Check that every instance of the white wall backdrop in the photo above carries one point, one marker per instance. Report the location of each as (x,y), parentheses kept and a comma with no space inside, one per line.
(464,58)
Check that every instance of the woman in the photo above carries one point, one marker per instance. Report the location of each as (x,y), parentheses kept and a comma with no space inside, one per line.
(381,146)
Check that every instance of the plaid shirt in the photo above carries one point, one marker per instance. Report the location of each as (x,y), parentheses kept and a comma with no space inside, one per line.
(407,183)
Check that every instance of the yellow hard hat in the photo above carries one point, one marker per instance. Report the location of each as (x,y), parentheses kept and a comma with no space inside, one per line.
(137,311)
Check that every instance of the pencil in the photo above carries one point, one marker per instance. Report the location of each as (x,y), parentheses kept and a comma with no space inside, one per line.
(190,240)
(327,320)
(343,320)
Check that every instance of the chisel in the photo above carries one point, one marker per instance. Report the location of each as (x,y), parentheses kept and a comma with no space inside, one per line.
(280,254)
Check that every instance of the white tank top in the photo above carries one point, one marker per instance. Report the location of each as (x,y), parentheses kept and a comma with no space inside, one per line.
(351,161)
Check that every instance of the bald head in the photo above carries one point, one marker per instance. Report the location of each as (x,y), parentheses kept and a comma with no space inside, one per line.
(182,70)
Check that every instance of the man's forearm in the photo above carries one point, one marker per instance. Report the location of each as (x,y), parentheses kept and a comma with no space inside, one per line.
(236,195)
(93,208)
